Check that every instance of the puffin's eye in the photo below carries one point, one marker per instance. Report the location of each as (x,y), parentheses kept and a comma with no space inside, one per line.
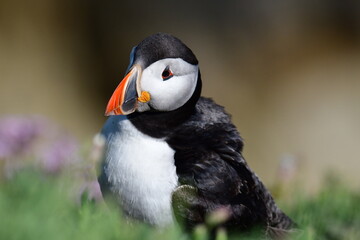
(166,74)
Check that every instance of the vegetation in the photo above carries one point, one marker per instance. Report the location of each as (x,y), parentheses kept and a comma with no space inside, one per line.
(38,206)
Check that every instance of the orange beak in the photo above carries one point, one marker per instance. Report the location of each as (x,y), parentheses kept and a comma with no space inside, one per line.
(124,99)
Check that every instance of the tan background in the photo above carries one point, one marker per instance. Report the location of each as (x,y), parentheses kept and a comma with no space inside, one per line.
(288,72)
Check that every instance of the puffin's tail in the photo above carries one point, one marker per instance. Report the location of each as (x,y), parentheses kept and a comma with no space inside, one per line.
(281,226)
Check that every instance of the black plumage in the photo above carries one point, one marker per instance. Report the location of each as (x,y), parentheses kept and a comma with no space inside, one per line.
(160,46)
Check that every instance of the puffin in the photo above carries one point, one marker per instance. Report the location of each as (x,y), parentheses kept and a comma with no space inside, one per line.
(172,155)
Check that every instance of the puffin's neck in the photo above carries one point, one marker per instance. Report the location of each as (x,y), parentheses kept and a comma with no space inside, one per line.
(161,124)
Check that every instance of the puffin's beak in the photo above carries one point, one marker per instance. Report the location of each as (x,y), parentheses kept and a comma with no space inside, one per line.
(125,97)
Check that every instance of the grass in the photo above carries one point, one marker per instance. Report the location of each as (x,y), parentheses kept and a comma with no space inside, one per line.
(38,206)
(334,213)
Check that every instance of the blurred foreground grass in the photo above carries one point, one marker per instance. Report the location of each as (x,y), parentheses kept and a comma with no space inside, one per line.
(38,206)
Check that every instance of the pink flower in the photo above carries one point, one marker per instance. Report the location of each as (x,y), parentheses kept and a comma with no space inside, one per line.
(17,134)
(61,153)
(44,143)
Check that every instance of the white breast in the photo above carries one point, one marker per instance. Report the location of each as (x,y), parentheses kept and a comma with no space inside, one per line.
(141,171)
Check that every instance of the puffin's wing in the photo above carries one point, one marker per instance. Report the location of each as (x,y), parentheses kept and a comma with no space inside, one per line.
(209,159)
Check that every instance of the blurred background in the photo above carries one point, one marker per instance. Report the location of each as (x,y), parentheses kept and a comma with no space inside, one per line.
(287,71)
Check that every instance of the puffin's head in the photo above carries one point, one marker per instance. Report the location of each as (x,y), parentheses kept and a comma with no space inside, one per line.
(162,76)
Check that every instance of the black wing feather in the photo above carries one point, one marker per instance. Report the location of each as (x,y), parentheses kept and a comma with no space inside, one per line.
(208,158)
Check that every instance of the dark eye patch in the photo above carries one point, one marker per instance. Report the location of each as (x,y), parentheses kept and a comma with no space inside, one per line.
(167,74)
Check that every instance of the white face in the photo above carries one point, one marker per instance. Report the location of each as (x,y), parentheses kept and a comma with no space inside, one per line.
(170,93)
